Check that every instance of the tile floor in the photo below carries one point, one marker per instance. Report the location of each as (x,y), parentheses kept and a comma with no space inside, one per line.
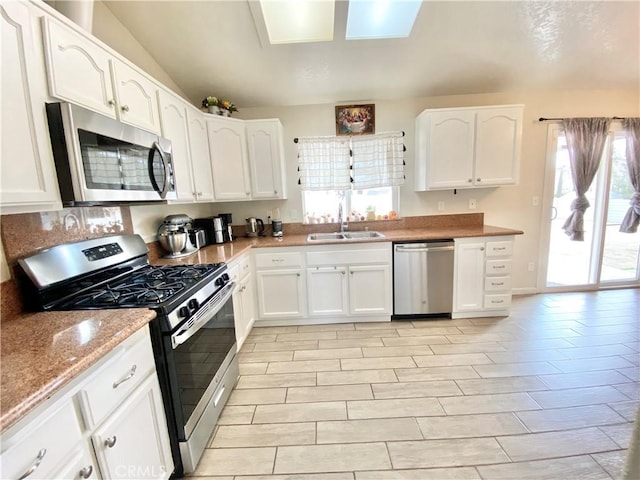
(550,392)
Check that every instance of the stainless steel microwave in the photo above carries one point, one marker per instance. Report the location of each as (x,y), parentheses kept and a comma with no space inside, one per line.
(101,160)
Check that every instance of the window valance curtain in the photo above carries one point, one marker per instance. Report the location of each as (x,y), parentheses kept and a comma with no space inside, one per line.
(586,138)
(324,163)
(343,163)
(632,131)
(378,161)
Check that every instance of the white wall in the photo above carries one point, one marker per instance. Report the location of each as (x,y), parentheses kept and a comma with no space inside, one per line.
(505,206)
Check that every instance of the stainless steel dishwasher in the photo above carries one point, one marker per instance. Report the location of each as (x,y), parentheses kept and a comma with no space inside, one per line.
(422,278)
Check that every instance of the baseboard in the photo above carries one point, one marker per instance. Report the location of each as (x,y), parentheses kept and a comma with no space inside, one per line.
(525,291)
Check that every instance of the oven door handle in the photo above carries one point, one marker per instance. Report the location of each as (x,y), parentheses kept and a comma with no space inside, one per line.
(219,300)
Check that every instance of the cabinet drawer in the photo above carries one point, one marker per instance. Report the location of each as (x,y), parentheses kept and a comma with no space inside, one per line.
(275,259)
(54,433)
(498,267)
(114,382)
(497,284)
(499,249)
(239,268)
(499,301)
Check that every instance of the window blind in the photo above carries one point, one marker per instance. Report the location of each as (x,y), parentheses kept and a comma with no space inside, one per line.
(324,163)
(378,160)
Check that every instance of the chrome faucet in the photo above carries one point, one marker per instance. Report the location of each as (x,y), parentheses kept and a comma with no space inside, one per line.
(342,223)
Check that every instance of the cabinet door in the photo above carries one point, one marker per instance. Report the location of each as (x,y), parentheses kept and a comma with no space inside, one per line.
(78,69)
(173,119)
(468,277)
(266,158)
(133,442)
(230,168)
(248,311)
(327,291)
(27,172)
(200,157)
(137,104)
(498,136)
(280,293)
(370,290)
(450,149)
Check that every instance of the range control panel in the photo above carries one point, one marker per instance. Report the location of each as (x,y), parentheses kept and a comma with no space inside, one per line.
(102,251)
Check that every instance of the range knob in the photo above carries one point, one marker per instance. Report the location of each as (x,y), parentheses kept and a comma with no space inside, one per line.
(194,304)
(184,312)
(222,279)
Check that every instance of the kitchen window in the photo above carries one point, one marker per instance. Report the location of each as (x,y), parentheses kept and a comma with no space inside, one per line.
(362,174)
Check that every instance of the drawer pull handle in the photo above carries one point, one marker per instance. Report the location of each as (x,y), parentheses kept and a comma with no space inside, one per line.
(110,442)
(129,376)
(35,465)
(86,471)
(497,284)
(498,266)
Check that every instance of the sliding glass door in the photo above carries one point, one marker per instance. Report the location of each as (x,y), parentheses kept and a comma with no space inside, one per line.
(606,257)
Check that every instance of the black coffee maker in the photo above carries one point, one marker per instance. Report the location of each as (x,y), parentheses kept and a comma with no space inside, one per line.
(217,229)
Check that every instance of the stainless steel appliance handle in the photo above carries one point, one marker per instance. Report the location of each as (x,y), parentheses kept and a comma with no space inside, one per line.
(165,166)
(218,301)
(400,248)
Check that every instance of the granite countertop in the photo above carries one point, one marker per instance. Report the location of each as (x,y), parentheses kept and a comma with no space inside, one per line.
(42,352)
(228,251)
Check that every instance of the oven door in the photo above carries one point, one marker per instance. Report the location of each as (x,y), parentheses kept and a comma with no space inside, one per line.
(203,346)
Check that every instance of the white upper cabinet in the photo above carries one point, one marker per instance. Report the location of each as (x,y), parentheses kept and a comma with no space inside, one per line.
(200,156)
(189,148)
(266,158)
(82,72)
(498,138)
(27,172)
(230,165)
(468,147)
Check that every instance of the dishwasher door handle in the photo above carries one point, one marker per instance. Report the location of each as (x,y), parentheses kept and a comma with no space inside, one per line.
(400,248)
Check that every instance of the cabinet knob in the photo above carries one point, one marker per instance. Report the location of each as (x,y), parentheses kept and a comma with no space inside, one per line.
(297,274)
(86,471)
(470,180)
(124,108)
(35,465)
(482,249)
(275,192)
(478,180)
(247,193)
(110,442)
(111,103)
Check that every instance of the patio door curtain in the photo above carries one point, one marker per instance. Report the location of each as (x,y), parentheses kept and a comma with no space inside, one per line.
(324,163)
(586,138)
(632,218)
(378,161)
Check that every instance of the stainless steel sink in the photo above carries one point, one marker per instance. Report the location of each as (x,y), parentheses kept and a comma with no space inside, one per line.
(323,237)
(366,234)
(340,237)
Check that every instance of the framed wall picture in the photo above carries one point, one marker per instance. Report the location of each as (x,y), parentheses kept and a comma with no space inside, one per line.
(355,119)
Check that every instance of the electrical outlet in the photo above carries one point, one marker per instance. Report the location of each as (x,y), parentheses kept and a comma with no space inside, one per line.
(536,200)
(532,266)
(293,213)
(269,213)
(472,203)
(440,206)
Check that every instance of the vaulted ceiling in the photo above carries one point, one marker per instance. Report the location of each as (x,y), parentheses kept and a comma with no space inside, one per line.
(456,47)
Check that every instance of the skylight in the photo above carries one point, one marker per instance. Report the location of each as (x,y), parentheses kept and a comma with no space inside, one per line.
(371,19)
(298,21)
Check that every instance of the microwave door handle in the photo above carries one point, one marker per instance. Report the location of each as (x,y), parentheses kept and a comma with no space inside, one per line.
(165,166)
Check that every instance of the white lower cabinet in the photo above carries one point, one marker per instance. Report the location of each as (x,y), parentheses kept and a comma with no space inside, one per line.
(370,289)
(328,292)
(482,277)
(324,283)
(132,442)
(240,272)
(129,438)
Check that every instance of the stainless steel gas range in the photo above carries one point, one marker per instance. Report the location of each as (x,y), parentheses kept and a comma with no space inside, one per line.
(193,335)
